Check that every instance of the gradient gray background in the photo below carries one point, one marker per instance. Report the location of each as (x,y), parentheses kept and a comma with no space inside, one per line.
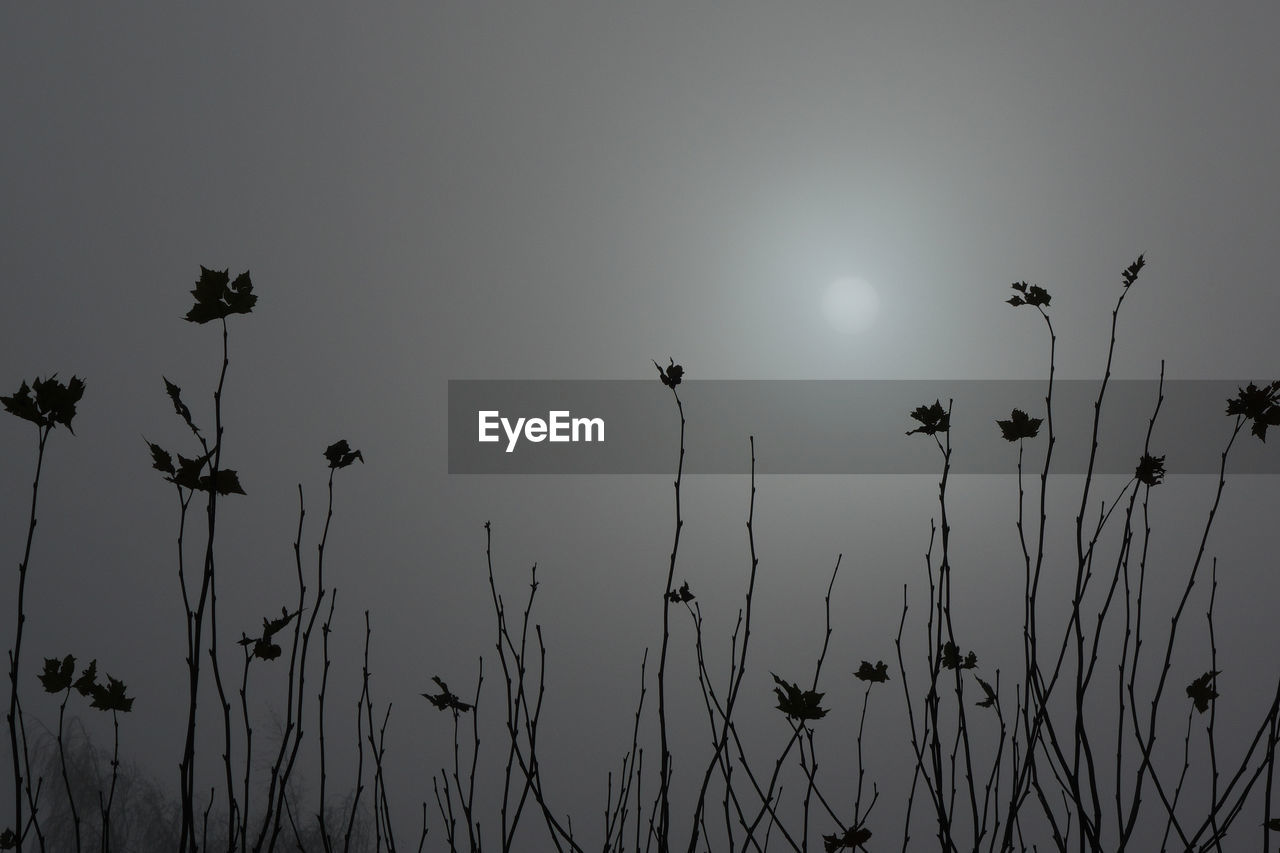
(426,192)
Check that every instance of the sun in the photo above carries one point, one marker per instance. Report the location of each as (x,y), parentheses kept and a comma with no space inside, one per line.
(850,305)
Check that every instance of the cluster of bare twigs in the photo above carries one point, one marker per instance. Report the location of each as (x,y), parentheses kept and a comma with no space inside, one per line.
(996,768)
(1037,777)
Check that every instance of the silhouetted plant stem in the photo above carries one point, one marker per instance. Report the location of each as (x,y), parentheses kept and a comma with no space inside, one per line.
(18,746)
(664,772)
(300,656)
(1272,740)
(211,585)
(196,618)
(1081,746)
(1182,777)
(629,774)
(515,704)
(62,763)
(111,796)
(324,682)
(204,832)
(916,747)
(382,825)
(186,768)
(735,675)
(422,839)
(1213,705)
(271,819)
(243,830)
(364,693)
(1149,742)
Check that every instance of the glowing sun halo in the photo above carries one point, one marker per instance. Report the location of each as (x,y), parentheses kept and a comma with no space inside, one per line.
(850,305)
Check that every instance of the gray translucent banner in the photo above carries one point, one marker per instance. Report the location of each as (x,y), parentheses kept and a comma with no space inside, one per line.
(836,427)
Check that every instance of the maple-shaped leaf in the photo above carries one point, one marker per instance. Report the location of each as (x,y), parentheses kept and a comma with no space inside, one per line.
(188,473)
(340,454)
(990,701)
(1203,690)
(1020,425)
(1261,405)
(1150,470)
(850,839)
(951,657)
(21,404)
(877,674)
(58,401)
(1130,274)
(1029,294)
(88,679)
(111,697)
(161,460)
(446,699)
(796,703)
(57,674)
(677,596)
(8,840)
(218,297)
(670,375)
(227,482)
(53,403)
(933,419)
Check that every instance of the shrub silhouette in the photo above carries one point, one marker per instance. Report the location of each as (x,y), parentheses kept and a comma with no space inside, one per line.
(995,767)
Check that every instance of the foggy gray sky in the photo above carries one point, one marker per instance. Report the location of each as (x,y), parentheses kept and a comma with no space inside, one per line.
(429,191)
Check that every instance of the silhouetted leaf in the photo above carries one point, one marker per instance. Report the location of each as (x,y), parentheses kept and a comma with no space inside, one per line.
(796,703)
(951,657)
(271,627)
(216,299)
(877,674)
(446,699)
(1273,824)
(8,840)
(671,375)
(1019,425)
(1029,294)
(1130,275)
(850,839)
(990,701)
(1261,405)
(1203,690)
(88,679)
(933,419)
(111,697)
(188,474)
(340,454)
(265,649)
(175,394)
(53,403)
(227,482)
(21,404)
(58,674)
(161,460)
(1150,470)
(677,596)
